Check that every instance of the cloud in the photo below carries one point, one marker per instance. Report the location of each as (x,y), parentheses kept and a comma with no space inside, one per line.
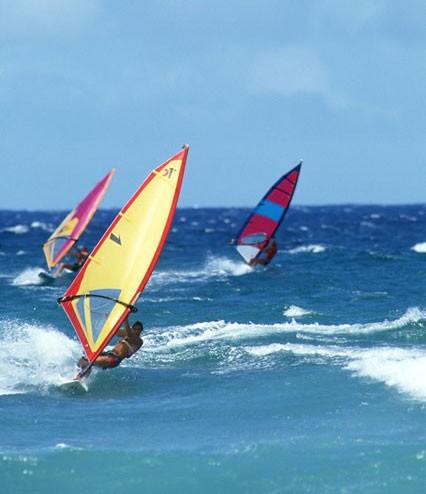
(28,18)
(292,70)
(348,15)
(370,19)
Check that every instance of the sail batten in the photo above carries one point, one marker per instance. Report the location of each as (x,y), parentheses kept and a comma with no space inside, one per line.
(72,227)
(116,272)
(267,216)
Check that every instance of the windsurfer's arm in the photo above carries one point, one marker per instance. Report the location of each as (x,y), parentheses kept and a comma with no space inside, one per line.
(124,330)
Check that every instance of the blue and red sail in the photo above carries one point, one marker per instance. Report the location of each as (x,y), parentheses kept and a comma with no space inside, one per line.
(267,216)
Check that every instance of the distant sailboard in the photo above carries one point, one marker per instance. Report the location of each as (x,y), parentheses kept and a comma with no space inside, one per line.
(267,216)
(116,272)
(49,278)
(72,227)
(46,278)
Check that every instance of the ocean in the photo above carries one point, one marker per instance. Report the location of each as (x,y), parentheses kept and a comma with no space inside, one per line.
(307,376)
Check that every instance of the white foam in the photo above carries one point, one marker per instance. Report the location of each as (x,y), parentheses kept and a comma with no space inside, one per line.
(215,267)
(408,217)
(400,368)
(34,356)
(41,226)
(308,249)
(17,229)
(297,349)
(67,446)
(412,315)
(29,276)
(194,334)
(21,253)
(419,248)
(295,311)
(221,266)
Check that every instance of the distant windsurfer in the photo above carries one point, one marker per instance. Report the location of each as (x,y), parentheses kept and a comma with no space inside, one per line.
(128,345)
(266,254)
(80,254)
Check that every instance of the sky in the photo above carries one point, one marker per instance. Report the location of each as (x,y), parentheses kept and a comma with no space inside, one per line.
(252,86)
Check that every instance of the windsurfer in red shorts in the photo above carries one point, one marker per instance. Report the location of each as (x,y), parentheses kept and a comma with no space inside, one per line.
(128,345)
(266,254)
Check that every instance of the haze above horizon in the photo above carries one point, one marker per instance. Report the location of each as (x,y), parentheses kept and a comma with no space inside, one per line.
(252,87)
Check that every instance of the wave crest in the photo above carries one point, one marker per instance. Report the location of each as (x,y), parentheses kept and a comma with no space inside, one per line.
(173,337)
(295,311)
(17,229)
(308,249)
(399,368)
(420,248)
(34,356)
(216,267)
(29,276)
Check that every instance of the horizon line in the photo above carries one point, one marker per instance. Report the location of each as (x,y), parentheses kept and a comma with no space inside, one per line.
(196,206)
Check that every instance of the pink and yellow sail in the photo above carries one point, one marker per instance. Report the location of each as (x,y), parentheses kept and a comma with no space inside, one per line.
(72,227)
(116,272)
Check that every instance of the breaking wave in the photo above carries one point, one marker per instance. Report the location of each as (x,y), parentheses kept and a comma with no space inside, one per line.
(174,337)
(412,315)
(295,311)
(42,226)
(17,229)
(308,249)
(400,368)
(419,248)
(29,276)
(34,356)
(218,267)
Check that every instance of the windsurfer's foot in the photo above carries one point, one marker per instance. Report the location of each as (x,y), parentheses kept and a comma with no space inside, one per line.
(82,363)
(84,369)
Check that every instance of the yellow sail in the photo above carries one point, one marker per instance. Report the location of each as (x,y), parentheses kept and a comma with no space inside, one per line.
(119,267)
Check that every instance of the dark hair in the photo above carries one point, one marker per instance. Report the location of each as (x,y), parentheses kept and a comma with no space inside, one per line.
(139,324)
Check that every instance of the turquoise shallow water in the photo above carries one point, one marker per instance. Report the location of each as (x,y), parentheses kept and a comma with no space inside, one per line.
(307,376)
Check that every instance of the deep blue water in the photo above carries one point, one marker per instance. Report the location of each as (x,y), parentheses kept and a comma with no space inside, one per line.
(308,376)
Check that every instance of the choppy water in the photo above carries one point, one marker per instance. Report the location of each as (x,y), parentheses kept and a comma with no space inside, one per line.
(308,376)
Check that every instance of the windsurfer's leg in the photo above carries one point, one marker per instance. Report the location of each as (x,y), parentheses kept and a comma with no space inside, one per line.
(107,360)
(85,370)
(258,260)
(70,267)
(58,270)
(83,362)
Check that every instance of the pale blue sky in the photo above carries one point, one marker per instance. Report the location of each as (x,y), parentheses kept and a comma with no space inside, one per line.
(251,86)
